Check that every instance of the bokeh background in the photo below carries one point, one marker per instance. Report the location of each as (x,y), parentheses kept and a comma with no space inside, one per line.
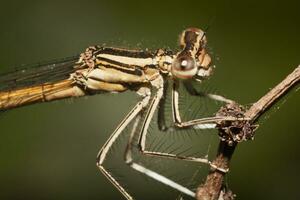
(48,151)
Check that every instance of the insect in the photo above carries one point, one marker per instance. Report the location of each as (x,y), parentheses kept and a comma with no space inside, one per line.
(105,69)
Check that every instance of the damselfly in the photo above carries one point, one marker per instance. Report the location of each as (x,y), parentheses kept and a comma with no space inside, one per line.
(104,69)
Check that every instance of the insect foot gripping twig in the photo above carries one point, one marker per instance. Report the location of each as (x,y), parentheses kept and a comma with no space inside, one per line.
(235,131)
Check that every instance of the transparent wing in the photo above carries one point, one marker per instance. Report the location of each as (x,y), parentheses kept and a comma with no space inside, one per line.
(39,73)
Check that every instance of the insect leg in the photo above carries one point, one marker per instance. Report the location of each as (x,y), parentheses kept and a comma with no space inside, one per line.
(104,150)
(142,139)
(201,123)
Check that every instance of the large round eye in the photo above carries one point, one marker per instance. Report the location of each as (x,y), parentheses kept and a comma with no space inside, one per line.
(184,67)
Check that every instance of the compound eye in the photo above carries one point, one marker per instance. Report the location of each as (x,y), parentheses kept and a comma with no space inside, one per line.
(184,63)
(184,67)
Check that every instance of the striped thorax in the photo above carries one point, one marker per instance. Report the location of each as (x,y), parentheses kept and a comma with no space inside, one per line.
(127,68)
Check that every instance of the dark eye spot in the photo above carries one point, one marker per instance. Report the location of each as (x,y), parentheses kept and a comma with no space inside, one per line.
(184,63)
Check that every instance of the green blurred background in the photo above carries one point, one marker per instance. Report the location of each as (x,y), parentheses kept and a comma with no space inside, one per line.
(48,151)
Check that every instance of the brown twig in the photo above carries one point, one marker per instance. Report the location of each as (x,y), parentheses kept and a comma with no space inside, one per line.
(211,189)
(264,103)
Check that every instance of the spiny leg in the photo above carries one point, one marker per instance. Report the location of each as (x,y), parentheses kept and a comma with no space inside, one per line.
(202,123)
(144,130)
(128,154)
(104,150)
